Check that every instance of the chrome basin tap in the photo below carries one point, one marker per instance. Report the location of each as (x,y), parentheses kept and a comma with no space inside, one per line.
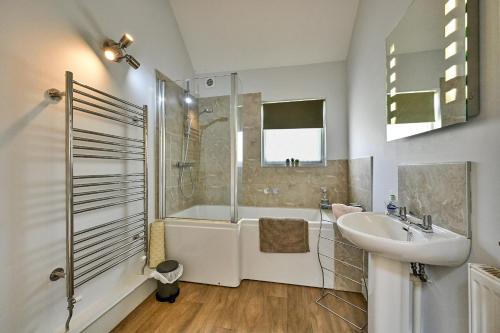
(425,225)
(427,222)
(402,213)
(409,219)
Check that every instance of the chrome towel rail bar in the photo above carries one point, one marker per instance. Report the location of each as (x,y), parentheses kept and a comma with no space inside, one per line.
(108,157)
(109,150)
(105,269)
(136,237)
(98,248)
(142,108)
(85,239)
(108,183)
(105,254)
(84,210)
(105,116)
(84,231)
(341,261)
(103,108)
(116,175)
(79,130)
(105,239)
(104,142)
(84,202)
(106,102)
(98,265)
(110,190)
(339,242)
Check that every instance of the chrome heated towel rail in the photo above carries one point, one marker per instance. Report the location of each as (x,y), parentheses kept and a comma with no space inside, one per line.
(113,205)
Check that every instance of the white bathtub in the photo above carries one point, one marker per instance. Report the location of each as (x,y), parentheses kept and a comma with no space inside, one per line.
(222,253)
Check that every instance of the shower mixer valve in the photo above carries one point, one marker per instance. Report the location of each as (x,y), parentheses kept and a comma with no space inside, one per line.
(271,190)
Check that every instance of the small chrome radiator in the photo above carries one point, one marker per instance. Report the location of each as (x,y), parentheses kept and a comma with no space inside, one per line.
(484,299)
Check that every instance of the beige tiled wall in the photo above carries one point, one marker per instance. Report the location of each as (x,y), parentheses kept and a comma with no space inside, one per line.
(215,154)
(360,191)
(361,182)
(175,126)
(298,187)
(440,190)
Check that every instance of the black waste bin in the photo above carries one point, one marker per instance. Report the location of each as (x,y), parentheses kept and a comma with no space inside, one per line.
(167,292)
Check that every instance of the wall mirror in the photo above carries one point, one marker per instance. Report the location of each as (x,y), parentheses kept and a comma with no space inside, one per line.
(432,67)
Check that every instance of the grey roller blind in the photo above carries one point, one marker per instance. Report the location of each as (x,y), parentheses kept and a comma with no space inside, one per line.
(295,114)
(414,107)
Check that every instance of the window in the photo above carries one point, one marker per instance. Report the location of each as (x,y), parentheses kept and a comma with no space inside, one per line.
(293,129)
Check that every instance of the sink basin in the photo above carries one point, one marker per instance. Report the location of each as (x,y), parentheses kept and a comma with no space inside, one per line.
(384,235)
(390,250)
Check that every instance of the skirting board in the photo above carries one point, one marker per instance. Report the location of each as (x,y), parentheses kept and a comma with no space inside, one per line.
(117,313)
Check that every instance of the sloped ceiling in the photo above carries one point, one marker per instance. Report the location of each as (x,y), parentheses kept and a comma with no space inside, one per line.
(231,35)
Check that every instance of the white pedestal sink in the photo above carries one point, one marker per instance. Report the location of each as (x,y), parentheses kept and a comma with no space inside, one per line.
(391,248)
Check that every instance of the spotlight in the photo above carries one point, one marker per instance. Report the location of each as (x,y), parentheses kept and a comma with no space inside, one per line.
(114,51)
(126,40)
(132,61)
(110,55)
(187,94)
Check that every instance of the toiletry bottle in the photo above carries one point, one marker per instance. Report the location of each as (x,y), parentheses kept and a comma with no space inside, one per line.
(325,203)
(391,205)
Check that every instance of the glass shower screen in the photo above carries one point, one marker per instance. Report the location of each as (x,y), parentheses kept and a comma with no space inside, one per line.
(197,138)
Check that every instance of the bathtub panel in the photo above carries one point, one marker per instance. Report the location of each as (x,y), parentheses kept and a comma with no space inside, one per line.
(208,251)
(292,268)
(218,252)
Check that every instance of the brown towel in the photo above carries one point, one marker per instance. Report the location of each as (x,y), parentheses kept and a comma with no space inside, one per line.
(283,235)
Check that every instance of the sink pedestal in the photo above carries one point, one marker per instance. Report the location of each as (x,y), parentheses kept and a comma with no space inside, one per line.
(388,295)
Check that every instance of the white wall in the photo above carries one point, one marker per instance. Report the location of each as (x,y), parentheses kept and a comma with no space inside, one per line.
(445,297)
(39,41)
(326,80)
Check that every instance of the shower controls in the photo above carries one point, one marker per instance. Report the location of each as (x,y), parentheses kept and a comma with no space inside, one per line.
(271,190)
(186,164)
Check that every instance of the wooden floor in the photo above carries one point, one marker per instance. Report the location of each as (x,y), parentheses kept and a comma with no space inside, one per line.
(254,306)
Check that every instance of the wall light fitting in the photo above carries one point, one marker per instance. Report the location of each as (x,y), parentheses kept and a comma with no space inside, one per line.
(115,51)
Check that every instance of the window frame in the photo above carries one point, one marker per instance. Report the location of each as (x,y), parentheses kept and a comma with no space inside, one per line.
(302,164)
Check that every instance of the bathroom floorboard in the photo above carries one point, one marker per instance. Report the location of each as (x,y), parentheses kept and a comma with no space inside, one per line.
(254,306)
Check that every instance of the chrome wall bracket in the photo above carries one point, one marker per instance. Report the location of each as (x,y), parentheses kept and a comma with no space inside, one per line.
(57,274)
(54,94)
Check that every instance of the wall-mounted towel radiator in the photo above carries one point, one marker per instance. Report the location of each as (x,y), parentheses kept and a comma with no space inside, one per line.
(484,299)
(110,208)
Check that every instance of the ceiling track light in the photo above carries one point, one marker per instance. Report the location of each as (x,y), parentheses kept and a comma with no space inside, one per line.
(115,51)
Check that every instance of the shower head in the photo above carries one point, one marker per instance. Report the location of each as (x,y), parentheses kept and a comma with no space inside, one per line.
(206,110)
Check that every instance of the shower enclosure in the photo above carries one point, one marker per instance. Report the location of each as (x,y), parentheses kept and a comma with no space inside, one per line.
(197,147)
